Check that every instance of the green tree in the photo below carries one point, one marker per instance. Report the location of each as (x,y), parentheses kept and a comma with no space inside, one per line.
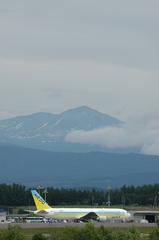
(134,233)
(3,233)
(124,235)
(67,233)
(107,234)
(39,236)
(12,233)
(89,232)
(154,235)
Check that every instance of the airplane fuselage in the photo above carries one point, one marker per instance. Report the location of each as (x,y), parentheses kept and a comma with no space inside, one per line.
(100,214)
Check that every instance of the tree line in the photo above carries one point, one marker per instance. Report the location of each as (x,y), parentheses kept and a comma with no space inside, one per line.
(18,195)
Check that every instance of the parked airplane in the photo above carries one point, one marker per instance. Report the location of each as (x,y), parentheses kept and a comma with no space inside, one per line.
(77,214)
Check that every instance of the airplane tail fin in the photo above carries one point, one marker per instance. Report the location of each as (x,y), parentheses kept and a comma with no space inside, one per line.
(39,201)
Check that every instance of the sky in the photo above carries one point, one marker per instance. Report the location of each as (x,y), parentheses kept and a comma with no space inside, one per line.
(58,55)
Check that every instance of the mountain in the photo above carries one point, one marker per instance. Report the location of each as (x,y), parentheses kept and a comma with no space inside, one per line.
(33,151)
(33,167)
(48,131)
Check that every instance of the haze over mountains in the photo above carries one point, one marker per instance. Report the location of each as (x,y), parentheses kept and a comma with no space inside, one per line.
(50,131)
(35,150)
(71,170)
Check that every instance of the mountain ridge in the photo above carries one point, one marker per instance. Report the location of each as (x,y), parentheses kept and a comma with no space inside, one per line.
(33,167)
(47,131)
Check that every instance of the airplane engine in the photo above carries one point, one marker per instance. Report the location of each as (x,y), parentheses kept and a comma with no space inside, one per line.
(101,219)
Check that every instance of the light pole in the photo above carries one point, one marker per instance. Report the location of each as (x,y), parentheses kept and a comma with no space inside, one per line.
(109,189)
(45,192)
(38,188)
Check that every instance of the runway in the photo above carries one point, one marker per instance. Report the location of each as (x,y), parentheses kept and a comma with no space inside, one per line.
(62,224)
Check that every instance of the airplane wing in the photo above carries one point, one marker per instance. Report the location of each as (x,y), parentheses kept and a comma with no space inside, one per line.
(42,212)
(37,212)
(29,211)
(89,216)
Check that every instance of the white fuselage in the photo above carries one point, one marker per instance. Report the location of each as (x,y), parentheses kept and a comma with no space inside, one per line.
(77,213)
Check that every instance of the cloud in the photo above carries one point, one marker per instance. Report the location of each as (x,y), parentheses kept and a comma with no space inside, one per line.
(55,93)
(145,136)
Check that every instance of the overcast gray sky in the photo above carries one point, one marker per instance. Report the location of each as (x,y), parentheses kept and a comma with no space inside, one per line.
(58,55)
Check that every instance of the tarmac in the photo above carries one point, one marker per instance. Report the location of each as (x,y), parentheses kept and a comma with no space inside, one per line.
(81,224)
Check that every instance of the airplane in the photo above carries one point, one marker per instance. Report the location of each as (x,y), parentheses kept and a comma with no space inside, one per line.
(77,214)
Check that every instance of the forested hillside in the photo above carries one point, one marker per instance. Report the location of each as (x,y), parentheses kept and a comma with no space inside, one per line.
(33,167)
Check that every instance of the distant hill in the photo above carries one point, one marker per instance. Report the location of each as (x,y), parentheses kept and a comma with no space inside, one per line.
(47,131)
(76,170)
